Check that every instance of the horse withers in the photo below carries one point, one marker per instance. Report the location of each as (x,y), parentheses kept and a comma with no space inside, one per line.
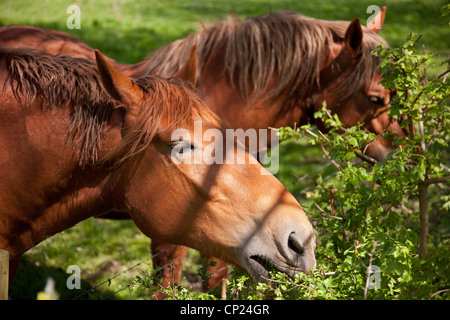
(72,150)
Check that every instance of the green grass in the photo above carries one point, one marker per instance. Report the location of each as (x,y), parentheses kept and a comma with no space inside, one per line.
(128,30)
(101,248)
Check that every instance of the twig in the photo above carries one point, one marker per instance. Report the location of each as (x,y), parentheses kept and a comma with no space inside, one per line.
(323,136)
(311,133)
(365,157)
(437,180)
(417,40)
(329,158)
(439,292)
(332,200)
(424,78)
(421,129)
(326,215)
(443,74)
(320,209)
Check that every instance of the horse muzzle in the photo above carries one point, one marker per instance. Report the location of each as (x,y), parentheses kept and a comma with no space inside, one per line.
(291,252)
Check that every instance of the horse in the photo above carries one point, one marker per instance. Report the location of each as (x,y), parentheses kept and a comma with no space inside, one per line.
(80,138)
(262,72)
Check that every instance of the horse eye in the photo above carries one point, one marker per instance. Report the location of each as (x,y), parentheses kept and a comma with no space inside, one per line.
(181,146)
(375,99)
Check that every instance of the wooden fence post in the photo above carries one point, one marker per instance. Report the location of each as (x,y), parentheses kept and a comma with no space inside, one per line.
(224,288)
(4,274)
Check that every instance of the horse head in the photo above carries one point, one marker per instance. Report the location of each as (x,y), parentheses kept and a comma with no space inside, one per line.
(350,83)
(178,190)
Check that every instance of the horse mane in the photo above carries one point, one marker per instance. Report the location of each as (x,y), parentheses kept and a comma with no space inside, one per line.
(61,81)
(285,45)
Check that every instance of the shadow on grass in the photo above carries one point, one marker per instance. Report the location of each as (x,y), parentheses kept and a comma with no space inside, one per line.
(32,275)
(31,278)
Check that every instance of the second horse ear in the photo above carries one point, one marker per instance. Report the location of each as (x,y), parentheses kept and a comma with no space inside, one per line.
(188,71)
(353,38)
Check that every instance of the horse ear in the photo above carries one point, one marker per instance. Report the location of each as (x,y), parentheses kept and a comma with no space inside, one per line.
(376,24)
(188,72)
(119,86)
(353,38)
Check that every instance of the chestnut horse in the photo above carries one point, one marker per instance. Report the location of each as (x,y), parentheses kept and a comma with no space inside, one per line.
(79,140)
(264,72)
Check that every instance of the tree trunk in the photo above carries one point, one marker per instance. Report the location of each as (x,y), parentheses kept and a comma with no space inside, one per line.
(423,207)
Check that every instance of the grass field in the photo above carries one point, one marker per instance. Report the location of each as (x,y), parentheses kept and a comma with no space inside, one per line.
(128,30)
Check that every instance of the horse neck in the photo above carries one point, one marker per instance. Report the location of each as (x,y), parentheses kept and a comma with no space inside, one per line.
(43,189)
(79,203)
(26,231)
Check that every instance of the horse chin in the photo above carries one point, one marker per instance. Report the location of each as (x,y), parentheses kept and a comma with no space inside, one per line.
(260,267)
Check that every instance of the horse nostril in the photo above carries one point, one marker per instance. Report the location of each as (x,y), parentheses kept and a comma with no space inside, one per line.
(295,246)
